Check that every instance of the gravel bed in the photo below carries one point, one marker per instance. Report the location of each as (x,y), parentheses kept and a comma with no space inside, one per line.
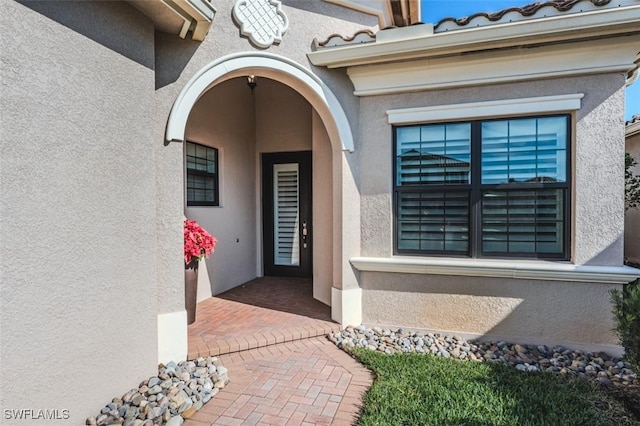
(596,366)
(175,394)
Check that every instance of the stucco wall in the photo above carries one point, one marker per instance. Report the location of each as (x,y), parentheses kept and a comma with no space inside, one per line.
(78,206)
(632,216)
(323,253)
(549,312)
(224,118)
(283,118)
(596,234)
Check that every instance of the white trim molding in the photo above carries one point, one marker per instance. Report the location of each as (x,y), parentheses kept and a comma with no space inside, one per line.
(346,306)
(201,13)
(597,24)
(172,336)
(262,64)
(511,107)
(564,45)
(499,66)
(516,269)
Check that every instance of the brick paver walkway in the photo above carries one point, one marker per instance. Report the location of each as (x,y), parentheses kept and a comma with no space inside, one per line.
(303,382)
(270,334)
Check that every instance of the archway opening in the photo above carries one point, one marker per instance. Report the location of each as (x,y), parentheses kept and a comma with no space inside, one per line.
(289,111)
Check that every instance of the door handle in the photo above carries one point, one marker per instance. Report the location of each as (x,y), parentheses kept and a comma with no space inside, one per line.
(304,234)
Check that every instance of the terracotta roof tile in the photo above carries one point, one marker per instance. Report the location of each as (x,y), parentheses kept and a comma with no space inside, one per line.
(525,11)
(362,36)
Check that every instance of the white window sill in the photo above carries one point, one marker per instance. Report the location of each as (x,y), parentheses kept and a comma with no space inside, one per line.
(520,269)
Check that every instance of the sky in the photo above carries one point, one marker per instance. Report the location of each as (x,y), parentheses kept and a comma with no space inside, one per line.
(435,10)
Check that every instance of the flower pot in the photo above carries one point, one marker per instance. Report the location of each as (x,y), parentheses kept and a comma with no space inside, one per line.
(191,290)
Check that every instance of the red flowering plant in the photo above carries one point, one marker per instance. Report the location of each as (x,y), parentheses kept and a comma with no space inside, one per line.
(198,243)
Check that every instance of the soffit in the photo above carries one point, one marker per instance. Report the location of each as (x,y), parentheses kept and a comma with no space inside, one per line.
(181,17)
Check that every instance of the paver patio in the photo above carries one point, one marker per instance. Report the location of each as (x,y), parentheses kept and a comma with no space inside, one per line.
(270,334)
(264,311)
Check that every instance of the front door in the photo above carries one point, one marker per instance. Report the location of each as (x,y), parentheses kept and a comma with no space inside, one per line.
(286,213)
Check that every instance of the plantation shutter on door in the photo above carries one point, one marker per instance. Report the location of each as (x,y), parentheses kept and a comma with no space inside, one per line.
(286,206)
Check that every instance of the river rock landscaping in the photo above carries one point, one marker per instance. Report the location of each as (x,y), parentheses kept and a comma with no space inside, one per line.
(175,394)
(597,366)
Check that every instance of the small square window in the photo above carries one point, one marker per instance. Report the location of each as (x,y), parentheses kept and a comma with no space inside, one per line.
(202,175)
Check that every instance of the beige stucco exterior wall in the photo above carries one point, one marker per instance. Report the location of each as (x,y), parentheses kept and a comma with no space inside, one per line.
(283,118)
(632,216)
(532,312)
(324,256)
(568,312)
(78,207)
(224,119)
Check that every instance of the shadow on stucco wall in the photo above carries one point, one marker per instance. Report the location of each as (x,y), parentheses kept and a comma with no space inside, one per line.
(172,55)
(115,25)
(520,311)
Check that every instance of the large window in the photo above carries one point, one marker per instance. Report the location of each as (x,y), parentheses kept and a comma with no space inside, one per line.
(491,188)
(202,175)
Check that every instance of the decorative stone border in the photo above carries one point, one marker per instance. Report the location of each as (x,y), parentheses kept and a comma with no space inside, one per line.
(596,366)
(175,394)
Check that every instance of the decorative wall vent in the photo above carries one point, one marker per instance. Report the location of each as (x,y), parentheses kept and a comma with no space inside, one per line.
(262,21)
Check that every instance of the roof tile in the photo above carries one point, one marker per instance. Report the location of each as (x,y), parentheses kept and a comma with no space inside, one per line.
(525,11)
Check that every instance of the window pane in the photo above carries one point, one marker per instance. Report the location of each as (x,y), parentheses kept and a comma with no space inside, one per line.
(212,160)
(201,165)
(200,188)
(524,150)
(201,158)
(191,150)
(526,222)
(433,221)
(433,154)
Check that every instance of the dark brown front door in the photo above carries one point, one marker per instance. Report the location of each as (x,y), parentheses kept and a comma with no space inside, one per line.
(286,213)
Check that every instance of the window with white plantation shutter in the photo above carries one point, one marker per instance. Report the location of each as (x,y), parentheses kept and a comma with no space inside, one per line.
(427,158)
(286,213)
(494,188)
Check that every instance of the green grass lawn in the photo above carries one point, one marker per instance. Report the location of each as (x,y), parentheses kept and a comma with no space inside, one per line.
(413,389)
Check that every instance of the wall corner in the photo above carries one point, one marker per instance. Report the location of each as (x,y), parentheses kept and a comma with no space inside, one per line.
(172,336)
(346,306)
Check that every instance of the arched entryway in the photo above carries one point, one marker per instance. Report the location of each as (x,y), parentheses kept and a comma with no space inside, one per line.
(291,111)
(268,65)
